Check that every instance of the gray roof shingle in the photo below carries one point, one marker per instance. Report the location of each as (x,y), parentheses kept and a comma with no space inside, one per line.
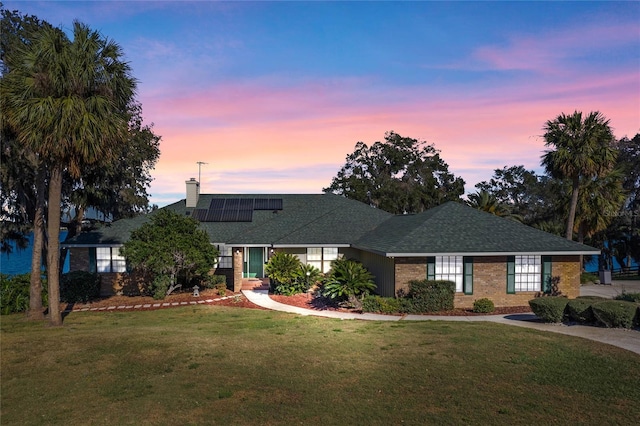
(455,228)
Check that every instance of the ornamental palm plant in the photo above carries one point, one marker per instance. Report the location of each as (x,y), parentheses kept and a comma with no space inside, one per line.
(66,100)
(349,280)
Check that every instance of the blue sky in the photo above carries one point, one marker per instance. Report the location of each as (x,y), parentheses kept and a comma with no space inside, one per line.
(274,95)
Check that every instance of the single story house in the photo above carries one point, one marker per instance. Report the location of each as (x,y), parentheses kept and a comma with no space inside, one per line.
(485,255)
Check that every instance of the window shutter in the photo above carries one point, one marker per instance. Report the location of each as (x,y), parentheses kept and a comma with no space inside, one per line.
(511,274)
(467,285)
(546,273)
(431,268)
(93,262)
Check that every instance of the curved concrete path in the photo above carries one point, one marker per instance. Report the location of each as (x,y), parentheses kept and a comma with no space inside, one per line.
(626,339)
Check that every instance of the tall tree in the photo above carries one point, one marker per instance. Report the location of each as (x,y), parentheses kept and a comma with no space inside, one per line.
(583,150)
(398,175)
(172,250)
(22,173)
(66,100)
(535,199)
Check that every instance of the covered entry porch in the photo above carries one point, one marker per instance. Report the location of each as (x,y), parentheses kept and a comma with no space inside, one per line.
(248,266)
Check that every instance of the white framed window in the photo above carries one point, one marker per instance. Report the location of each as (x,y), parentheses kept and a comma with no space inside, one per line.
(321,257)
(225,257)
(450,268)
(528,273)
(108,259)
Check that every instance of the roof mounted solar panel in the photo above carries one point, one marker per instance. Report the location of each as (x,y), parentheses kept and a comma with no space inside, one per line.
(245,215)
(268,204)
(216,204)
(246,204)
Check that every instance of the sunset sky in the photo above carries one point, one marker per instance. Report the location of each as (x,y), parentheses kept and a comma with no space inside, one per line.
(274,95)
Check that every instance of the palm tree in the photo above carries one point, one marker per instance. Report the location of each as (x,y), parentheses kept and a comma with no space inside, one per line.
(487,202)
(583,150)
(66,100)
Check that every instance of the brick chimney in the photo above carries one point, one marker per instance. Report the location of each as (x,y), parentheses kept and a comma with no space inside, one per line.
(193,192)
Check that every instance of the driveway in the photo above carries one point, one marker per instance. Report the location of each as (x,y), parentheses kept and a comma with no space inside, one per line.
(610,291)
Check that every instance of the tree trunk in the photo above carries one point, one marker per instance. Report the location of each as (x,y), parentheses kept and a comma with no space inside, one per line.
(53,255)
(573,207)
(35,288)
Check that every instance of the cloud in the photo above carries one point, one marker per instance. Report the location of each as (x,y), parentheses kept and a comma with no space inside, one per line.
(555,51)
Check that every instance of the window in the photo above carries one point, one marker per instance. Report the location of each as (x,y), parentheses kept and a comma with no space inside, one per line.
(225,257)
(321,257)
(449,268)
(458,269)
(528,273)
(108,259)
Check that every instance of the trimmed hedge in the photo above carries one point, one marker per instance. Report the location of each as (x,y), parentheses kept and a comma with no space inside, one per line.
(616,313)
(579,310)
(549,309)
(79,286)
(629,297)
(428,296)
(381,305)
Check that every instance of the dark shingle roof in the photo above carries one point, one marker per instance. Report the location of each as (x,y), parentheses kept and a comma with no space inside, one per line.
(459,229)
(305,219)
(327,219)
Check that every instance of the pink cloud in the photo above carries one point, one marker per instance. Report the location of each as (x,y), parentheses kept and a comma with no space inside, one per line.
(547,53)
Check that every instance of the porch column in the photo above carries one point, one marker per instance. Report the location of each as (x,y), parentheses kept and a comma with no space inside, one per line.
(238,263)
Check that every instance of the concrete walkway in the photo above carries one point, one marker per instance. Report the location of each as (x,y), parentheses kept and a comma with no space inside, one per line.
(626,339)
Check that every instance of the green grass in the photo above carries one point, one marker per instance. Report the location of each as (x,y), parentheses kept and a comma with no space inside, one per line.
(216,365)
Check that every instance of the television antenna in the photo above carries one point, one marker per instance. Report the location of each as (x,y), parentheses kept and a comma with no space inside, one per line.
(200,163)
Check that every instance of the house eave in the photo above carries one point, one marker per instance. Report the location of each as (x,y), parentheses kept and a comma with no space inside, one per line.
(497,253)
(310,245)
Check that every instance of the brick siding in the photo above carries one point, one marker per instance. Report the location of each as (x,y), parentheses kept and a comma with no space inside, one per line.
(490,279)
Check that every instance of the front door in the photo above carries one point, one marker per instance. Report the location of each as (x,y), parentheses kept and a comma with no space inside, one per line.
(256,262)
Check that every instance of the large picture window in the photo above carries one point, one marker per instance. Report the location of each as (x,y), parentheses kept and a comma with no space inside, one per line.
(108,259)
(321,257)
(528,273)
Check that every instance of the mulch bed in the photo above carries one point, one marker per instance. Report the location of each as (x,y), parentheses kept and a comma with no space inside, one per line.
(322,304)
(238,300)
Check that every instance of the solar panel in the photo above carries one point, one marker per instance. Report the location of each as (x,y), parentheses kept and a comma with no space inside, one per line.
(199,214)
(231,203)
(268,204)
(229,215)
(216,204)
(235,209)
(245,215)
(246,204)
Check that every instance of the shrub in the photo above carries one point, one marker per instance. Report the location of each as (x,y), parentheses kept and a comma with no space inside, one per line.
(221,288)
(14,293)
(588,277)
(428,296)
(212,281)
(381,305)
(281,269)
(348,281)
(549,309)
(615,313)
(159,286)
(79,286)
(579,310)
(483,306)
(629,297)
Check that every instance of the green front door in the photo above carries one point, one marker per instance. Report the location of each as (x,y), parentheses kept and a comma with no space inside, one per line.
(256,262)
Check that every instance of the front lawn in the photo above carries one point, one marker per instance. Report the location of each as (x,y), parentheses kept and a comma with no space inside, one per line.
(222,365)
